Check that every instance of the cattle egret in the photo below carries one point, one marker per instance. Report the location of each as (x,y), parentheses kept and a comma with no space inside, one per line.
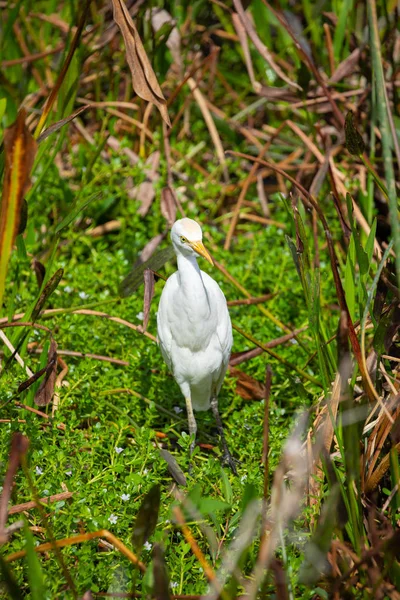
(194,328)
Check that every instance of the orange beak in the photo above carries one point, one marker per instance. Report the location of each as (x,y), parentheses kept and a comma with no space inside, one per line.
(200,249)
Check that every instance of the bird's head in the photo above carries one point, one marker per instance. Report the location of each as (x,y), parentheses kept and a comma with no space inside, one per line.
(186,237)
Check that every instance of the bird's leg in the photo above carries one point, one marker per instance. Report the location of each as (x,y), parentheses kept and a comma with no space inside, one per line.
(192,423)
(227,457)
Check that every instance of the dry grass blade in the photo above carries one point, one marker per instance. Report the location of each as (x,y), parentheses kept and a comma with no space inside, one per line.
(242,196)
(244,536)
(346,67)
(20,150)
(144,80)
(240,30)
(309,62)
(180,519)
(19,447)
(239,357)
(282,360)
(371,392)
(380,471)
(18,508)
(285,502)
(263,50)
(96,313)
(148,296)
(198,96)
(15,354)
(79,539)
(57,126)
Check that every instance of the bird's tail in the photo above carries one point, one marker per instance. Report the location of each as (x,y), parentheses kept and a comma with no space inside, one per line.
(200,396)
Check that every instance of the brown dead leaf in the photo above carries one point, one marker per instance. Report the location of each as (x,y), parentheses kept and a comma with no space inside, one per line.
(168,205)
(46,389)
(246,386)
(150,248)
(144,81)
(145,192)
(40,271)
(19,152)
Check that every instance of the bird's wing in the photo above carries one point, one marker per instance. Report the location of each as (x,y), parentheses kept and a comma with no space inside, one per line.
(164,330)
(224,327)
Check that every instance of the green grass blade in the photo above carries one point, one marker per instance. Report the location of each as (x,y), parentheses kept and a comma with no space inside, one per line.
(35,574)
(383,117)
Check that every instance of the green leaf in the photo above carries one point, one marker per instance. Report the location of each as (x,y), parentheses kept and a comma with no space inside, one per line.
(75,211)
(226,487)
(349,282)
(388,134)
(315,562)
(212,505)
(3,104)
(369,246)
(35,574)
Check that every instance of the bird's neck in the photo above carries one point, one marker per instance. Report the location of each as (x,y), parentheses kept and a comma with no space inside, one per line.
(190,278)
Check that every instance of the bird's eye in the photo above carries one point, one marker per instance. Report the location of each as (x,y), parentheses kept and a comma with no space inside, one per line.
(183,239)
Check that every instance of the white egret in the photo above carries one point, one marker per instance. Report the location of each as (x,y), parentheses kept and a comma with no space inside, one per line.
(194,328)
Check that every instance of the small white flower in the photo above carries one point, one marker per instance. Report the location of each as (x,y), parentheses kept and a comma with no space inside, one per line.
(118,450)
(83,295)
(243,478)
(139,316)
(68,289)
(113,519)
(38,471)
(145,471)
(174,584)
(125,497)
(147,546)
(178,409)
(69,473)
